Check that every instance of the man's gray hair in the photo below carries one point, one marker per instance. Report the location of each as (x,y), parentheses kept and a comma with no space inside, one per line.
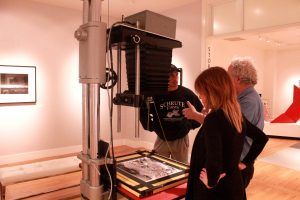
(243,69)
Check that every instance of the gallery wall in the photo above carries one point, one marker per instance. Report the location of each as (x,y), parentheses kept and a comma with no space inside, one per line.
(287,75)
(222,52)
(34,34)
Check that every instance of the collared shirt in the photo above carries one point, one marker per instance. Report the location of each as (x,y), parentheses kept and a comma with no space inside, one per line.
(252,109)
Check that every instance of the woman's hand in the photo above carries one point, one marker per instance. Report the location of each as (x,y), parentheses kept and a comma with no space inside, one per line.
(203,177)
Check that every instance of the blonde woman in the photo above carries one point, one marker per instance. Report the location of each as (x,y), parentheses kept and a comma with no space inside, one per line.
(214,172)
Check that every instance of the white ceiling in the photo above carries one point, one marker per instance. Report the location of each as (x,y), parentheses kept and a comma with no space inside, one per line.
(288,37)
(284,37)
(117,8)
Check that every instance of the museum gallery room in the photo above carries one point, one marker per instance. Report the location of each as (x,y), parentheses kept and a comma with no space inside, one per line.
(74,75)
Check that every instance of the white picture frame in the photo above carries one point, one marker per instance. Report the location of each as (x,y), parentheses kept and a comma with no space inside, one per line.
(17,84)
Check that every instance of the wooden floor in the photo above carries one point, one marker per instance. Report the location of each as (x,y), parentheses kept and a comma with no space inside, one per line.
(270,182)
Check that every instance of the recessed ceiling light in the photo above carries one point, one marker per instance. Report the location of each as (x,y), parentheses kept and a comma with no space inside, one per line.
(257,11)
(234,39)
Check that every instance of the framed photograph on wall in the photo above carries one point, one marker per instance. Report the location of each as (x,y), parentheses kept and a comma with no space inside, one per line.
(17,84)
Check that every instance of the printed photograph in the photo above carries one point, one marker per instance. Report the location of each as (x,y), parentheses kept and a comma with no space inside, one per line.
(17,84)
(147,169)
(13,83)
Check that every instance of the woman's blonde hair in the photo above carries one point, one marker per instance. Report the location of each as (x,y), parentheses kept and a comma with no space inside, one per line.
(216,85)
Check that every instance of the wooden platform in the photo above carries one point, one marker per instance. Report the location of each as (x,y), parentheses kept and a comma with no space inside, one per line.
(290,130)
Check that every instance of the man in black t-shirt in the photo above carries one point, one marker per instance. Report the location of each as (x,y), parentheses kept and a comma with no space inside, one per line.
(166,119)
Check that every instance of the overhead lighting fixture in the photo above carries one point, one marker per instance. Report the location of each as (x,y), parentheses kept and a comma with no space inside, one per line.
(268,40)
(257,11)
(216,26)
(278,43)
(234,39)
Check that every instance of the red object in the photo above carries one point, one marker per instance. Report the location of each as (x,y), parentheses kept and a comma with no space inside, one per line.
(292,114)
(172,193)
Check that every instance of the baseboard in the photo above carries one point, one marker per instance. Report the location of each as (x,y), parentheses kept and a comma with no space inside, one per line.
(284,137)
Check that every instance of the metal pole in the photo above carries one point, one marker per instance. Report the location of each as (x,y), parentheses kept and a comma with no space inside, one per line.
(95,14)
(92,49)
(119,87)
(94,115)
(85,129)
(85,8)
(137,82)
(137,89)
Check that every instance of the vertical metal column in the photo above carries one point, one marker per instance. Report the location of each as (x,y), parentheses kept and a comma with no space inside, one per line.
(95,14)
(85,9)
(94,116)
(92,50)
(137,88)
(137,40)
(119,87)
(85,129)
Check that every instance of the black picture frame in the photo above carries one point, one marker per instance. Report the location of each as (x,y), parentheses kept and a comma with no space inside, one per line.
(133,184)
